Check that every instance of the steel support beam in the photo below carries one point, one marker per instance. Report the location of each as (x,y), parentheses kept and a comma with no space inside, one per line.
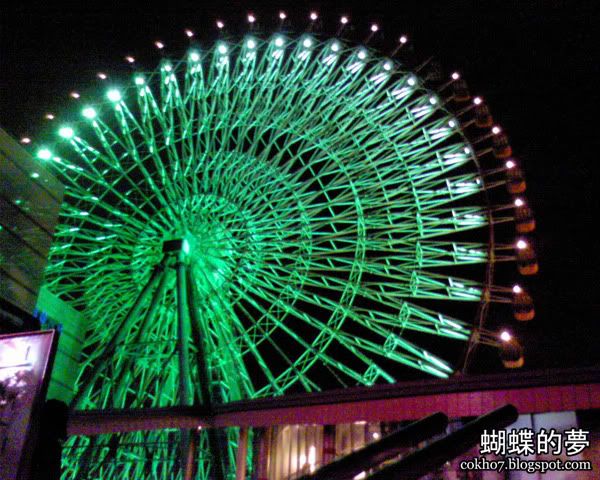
(99,422)
(203,373)
(183,346)
(154,304)
(93,374)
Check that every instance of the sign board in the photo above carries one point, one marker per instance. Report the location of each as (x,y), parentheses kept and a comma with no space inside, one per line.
(25,365)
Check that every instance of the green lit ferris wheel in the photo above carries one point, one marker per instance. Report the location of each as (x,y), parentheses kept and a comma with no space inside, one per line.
(267,216)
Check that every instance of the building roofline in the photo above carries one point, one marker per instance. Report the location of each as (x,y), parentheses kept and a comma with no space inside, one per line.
(456,384)
(465,396)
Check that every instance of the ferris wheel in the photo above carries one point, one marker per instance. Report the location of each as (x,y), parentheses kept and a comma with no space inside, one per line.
(276,214)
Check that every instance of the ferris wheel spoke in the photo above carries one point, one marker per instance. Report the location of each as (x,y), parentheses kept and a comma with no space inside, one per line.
(293,335)
(154,144)
(125,116)
(424,284)
(274,386)
(271,282)
(128,147)
(94,202)
(411,317)
(176,123)
(411,355)
(227,344)
(80,212)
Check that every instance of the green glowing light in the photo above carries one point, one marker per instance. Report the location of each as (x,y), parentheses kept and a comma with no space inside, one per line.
(114,95)
(66,132)
(89,112)
(44,154)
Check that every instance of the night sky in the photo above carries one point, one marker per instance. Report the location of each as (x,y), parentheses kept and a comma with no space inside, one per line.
(536,63)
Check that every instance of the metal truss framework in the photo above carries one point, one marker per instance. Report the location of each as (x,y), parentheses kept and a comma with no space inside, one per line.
(323,200)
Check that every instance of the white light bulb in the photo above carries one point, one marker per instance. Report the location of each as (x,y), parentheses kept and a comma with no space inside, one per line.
(521,244)
(344,20)
(194,56)
(517,289)
(130,59)
(362,54)
(314,16)
(25,140)
(387,66)
(411,81)
(66,132)
(374,27)
(139,80)
(113,95)
(335,47)
(220,24)
(222,49)
(44,154)
(433,100)
(75,95)
(307,43)
(505,336)
(510,164)
(49,116)
(282,15)
(477,100)
(89,112)
(519,202)
(455,76)
(160,45)
(251,18)
(403,39)
(101,76)
(279,42)
(496,130)
(452,124)
(251,44)
(189,33)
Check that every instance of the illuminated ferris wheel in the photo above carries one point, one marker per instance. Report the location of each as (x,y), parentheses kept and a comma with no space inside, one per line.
(270,215)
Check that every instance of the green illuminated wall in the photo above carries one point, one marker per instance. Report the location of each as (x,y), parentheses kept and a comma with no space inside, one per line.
(71,340)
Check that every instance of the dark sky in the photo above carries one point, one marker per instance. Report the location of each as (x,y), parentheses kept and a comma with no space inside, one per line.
(537,64)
